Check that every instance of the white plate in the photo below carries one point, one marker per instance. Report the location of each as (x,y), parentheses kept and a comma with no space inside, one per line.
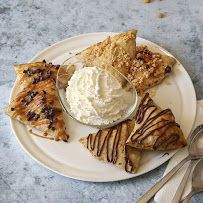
(72,159)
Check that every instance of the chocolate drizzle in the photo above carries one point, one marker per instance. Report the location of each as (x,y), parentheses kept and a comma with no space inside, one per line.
(144,131)
(128,162)
(112,154)
(164,155)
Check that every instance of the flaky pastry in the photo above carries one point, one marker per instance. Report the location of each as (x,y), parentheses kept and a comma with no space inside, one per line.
(155,129)
(108,145)
(39,109)
(149,69)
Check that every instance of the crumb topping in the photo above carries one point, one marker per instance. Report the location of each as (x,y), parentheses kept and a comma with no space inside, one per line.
(147,68)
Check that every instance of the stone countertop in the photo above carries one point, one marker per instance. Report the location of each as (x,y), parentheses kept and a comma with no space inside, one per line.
(28,27)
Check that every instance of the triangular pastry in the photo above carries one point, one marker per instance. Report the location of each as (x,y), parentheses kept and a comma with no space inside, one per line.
(126,40)
(32,73)
(108,145)
(149,69)
(155,129)
(118,51)
(38,106)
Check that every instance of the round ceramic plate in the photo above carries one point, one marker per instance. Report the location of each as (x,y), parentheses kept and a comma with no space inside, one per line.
(72,159)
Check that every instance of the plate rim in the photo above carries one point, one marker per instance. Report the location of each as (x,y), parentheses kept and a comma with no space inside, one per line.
(78,177)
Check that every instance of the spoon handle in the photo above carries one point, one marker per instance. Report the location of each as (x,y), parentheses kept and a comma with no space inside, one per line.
(188,197)
(181,187)
(148,195)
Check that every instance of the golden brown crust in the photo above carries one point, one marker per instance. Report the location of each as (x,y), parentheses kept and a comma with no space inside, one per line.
(27,113)
(118,156)
(155,129)
(118,51)
(149,69)
(31,73)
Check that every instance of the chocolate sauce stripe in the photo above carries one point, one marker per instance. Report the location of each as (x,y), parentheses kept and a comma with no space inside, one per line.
(149,120)
(172,141)
(126,155)
(145,129)
(91,143)
(113,157)
(102,147)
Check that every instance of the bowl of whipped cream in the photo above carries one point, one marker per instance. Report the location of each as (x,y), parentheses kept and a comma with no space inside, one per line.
(95,93)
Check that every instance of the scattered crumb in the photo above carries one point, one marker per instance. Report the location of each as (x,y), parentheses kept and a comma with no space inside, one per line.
(165,12)
(146,1)
(159,8)
(70,52)
(140,94)
(168,83)
(156,88)
(160,15)
(152,93)
(157,27)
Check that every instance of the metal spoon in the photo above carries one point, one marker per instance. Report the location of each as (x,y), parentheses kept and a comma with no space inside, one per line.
(197,181)
(181,187)
(195,152)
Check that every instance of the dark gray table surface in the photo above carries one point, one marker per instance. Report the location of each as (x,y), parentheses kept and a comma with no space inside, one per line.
(27,27)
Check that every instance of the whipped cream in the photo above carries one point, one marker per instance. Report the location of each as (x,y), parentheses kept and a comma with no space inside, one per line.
(96,97)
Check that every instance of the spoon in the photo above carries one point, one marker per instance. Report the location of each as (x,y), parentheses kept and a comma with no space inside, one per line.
(195,152)
(197,181)
(181,187)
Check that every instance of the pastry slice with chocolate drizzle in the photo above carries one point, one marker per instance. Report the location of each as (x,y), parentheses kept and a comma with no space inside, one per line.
(108,145)
(38,106)
(32,73)
(155,129)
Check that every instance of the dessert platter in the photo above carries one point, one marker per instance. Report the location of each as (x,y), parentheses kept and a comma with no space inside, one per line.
(55,136)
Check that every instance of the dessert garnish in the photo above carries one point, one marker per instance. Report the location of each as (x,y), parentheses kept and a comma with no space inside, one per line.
(96,97)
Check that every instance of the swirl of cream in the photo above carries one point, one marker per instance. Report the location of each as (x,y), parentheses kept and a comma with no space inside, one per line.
(95,96)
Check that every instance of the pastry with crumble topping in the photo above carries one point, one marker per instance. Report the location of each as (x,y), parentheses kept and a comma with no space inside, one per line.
(148,68)
(118,51)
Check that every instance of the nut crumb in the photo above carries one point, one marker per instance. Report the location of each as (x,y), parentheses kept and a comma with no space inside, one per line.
(168,83)
(70,52)
(141,93)
(160,15)
(157,27)
(146,1)
(152,93)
